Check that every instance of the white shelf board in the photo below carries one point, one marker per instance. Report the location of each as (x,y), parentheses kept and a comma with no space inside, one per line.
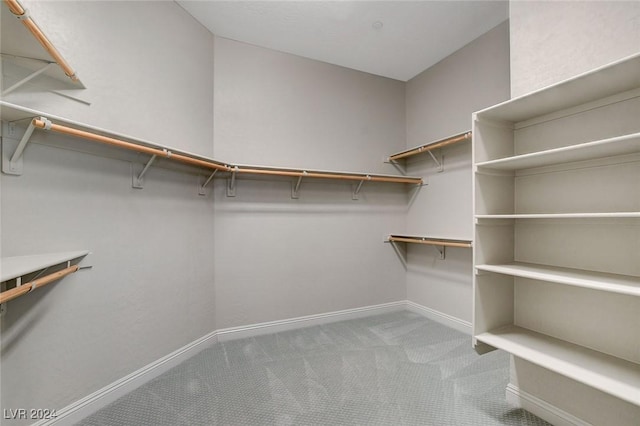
(560,215)
(610,79)
(621,145)
(17,266)
(606,373)
(623,284)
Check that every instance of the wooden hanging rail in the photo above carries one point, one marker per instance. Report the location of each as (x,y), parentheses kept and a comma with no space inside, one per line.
(429,241)
(42,123)
(431,146)
(15,292)
(22,14)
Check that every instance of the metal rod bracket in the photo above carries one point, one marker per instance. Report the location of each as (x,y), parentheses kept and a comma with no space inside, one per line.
(12,164)
(398,165)
(138,179)
(356,190)
(231,183)
(439,160)
(442,250)
(295,187)
(202,189)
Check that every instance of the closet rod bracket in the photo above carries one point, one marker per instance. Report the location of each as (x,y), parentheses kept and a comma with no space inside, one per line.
(295,187)
(202,189)
(438,159)
(231,182)
(138,180)
(12,164)
(356,190)
(442,250)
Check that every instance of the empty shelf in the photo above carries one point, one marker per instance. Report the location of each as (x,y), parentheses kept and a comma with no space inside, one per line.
(607,80)
(430,241)
(560,215)
(623,284)
(17,266)
(604,372)
(627,144)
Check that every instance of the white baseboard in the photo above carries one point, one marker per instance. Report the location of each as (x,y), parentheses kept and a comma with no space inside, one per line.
(253,330)
(90,404)
(442,318)
(540,408)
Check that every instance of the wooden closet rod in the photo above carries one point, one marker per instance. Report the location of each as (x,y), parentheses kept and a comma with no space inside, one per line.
(432,242)
(11,294)
(17,9)
(128,145)
(335,176)
(41,124)
(434,145)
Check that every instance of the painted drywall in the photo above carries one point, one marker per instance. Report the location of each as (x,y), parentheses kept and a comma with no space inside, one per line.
(439,103)
(126,53)
(278,257)
(150,290)
(555,40)
(550,42)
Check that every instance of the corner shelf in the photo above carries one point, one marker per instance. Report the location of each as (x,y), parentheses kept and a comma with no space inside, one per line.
(615,283)
(11,160)
(606,373)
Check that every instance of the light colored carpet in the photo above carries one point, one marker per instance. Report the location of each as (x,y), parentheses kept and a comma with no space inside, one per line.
(392,369)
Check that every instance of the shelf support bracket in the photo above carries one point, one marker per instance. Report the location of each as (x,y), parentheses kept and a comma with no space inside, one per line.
(356,190)
(27,78)
(442,250)
(439,160)
(295,188)
(13,165)
(401,251)
(231,183)
(398,166)
(138,181)
(203,188)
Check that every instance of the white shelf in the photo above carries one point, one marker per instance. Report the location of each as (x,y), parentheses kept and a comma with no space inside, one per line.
(621,145)
(17,266)
(605,81)
(623,284)
(604,372)
(560,215)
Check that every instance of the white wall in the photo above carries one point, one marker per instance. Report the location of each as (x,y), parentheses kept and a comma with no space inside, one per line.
(439,104)
(280,258)
(555,40)
(550,42)
(151,289)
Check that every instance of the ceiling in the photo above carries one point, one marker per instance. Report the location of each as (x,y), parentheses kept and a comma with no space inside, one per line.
(396,39)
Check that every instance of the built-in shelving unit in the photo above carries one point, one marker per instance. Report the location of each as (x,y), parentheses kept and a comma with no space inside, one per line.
(17,267)
(12,159)
(568,155)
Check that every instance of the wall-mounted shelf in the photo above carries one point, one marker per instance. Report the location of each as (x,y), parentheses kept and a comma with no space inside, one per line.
(17,266)
(429,149)
(603,215)
(620,145)
(14,268)
(11,160)
(23,16)
(615,283)
(439,243)
(604,372)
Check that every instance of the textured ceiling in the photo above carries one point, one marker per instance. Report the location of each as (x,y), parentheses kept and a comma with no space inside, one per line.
(414,34)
